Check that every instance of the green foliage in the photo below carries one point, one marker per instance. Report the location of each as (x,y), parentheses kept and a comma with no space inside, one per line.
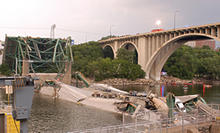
(85,53)
(107,68)
(107,37)
(188,62)
(108,53)
(5,70)
(89,59)
(124,54)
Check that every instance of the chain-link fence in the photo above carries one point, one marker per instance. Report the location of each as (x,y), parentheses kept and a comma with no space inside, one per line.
(158,122)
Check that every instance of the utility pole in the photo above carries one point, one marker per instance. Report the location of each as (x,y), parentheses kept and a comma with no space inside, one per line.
(52,31)
(174,19)
(110,31)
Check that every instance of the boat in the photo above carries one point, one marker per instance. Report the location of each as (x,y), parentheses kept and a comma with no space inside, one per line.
(185,87)
(188,83)
(207,86)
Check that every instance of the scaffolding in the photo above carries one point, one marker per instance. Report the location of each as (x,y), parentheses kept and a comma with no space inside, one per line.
(43,54)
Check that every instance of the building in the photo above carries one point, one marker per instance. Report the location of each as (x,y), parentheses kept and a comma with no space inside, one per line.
(210,43)
(201,43)
(191,44)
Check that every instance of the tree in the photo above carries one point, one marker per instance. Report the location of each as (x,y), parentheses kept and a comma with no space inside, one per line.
(5,70)
(107,68)
(89,59)
(85,53)
(124,54)
(108,53)
(107,37)
(182,63)
(187,62)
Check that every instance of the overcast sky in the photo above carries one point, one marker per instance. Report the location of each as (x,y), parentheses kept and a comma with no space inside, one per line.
(86,20)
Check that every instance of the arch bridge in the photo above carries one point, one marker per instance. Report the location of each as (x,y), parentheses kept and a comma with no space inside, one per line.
(154,48)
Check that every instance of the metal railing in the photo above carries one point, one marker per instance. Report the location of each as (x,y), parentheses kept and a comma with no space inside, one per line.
(145,121)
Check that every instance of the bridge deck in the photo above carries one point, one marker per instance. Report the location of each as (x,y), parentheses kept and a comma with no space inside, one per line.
(160,32)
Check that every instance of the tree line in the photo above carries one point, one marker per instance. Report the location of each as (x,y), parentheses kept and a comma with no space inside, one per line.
(90,59)
(187,63)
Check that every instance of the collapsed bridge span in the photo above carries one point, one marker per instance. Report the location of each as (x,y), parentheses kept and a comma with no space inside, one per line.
(26,55)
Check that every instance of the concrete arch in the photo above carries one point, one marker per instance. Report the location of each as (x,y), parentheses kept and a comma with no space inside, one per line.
(133,44)
(130,42)
(157,61)
(114,51)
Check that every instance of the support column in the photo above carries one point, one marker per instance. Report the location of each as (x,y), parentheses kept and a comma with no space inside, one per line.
(157,42)
(149,47)
(207,31)
(162,39)
(146,48)
(175,34)
(213,31)
(142,51)
(153,73)
(191,31)
(201,31)
(196,31)
(166,37)
(218,31)
(180,33)
(153,44)
(68,72)
(25,67)
(115,49)
(170,36)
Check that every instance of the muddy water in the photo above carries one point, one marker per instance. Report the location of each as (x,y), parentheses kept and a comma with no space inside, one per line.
(61,116)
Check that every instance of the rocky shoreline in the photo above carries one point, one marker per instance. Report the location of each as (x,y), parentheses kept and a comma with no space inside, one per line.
(168,80)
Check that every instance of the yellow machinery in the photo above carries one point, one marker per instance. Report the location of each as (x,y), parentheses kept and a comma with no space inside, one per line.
(12,126)
(8,124)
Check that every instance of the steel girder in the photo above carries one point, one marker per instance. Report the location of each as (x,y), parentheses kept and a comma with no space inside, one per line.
(44,54)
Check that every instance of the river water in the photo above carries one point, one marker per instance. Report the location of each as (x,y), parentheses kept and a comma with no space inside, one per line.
(52,115)
(211,95)
(62,116)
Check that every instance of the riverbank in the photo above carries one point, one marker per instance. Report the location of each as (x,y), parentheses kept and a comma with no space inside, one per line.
(164,80)
(167,80)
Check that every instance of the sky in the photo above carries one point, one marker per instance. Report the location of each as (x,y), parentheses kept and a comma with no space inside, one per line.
(87,20)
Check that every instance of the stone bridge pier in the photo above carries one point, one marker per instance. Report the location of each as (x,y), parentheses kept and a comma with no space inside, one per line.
(154,48)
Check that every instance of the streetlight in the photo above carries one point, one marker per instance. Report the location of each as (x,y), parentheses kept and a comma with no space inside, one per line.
(158,23)
(174,19)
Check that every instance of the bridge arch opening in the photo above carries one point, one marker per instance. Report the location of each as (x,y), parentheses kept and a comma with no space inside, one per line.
(160,57)
(108,52)
(131,47)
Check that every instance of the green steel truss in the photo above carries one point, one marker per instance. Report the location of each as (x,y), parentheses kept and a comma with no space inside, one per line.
(44,54)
